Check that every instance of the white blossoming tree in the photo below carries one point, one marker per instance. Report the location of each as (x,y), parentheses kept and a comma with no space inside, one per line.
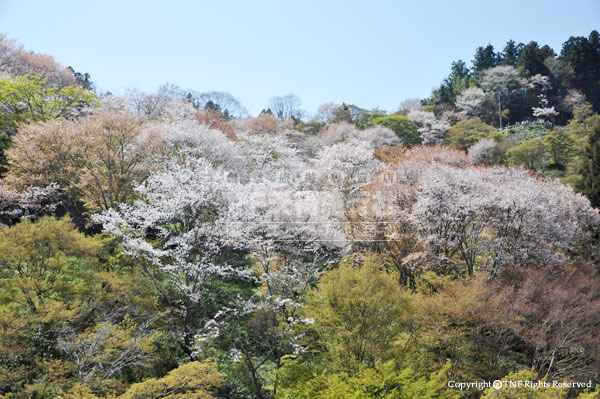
(174,234)
(345,168)
(431,129)
(481,151)
(501,81)
(452,216)
(292,237)
(471,101)
(496,217)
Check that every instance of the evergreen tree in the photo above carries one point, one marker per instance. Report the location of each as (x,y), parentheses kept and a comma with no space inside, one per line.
(590,184)
(511,53)
(582,55)
(532,57)
(485,58)
(459,69)
(212,105)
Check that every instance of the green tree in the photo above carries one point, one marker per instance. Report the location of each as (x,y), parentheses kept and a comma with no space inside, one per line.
(45,278)
(503,82)
(532,57)
(84,79)
(359,313)
(366,117)
(468,132)
(448,312)
(582,55)
(27,98)
(590,184)
(401,125)
(529,154)
(63,318)
(485,58)
(560,146)
(457,81)
(510,54)
(590,395)
(384,380)
(581,126)
(193,380)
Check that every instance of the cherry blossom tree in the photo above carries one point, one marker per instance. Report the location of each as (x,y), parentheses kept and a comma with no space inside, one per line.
(501,217)
(481,151)
(377,136)
(573,99)
(16,61)
(30,203)
(449,214)
(544,111)
(471,101)
(292,237)
(452,217)
(453,117)
(346,168)
(541,84)
(269,156)
(215,119)
(188,137)
(265,123)
(182,207)
(502,81)
(161,106)
(431,129)
(94,160)
(410,104)
(327,112)
(112,103)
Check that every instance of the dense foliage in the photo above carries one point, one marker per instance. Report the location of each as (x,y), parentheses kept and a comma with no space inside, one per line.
(168,245)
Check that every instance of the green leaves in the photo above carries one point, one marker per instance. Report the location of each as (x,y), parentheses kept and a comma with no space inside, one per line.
(401,125)
(27,98)
(468,132)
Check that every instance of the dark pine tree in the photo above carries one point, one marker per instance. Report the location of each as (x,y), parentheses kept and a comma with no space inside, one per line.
(583,56)
(485,58)
(532,58)
(510,54)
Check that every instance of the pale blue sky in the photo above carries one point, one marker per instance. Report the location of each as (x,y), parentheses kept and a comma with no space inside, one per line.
(371,53)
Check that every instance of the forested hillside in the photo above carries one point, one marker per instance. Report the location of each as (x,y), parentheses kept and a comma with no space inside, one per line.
(169,245)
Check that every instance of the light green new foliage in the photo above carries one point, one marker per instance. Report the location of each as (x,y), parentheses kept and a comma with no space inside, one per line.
(359,313)
(590,395)
(386,381)
(383,381)
(468,132)
(560,146)
(356,346)
(27,99)
(530,154)
(401,125)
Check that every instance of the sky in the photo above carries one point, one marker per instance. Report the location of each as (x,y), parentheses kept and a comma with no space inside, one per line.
(371,53)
